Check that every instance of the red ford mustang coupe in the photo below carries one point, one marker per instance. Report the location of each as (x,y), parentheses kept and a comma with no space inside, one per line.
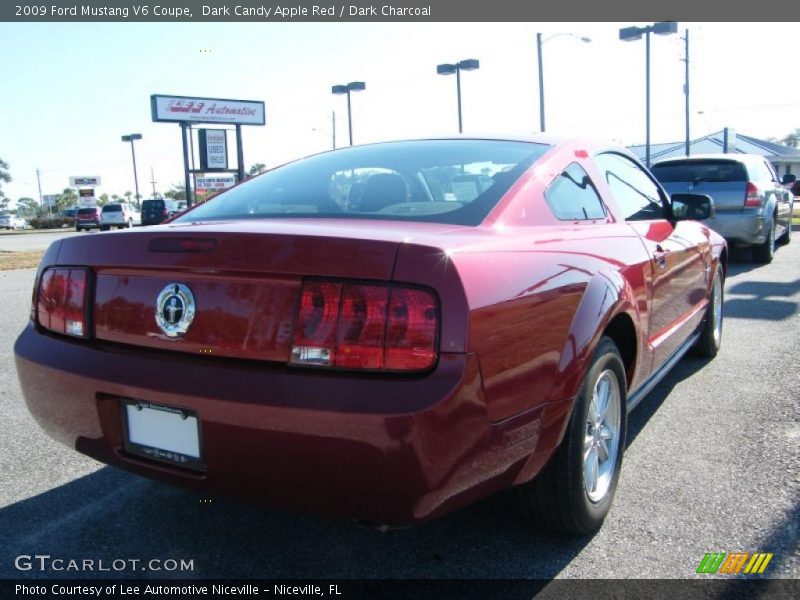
(386,332)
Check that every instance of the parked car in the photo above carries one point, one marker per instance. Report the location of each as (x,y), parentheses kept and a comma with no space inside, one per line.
(12,222)
(753,208)
(87,218)
(119,216)
(158,210)
(390,362)
(71,212)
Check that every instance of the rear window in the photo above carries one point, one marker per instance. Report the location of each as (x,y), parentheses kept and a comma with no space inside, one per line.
(112,208)
(437,181)
(153,205)
(695,171)
(87,211)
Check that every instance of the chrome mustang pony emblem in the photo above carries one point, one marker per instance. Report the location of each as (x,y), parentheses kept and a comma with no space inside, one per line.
(175,309)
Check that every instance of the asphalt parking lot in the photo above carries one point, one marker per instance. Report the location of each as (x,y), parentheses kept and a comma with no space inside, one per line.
(712,465)
(24,241)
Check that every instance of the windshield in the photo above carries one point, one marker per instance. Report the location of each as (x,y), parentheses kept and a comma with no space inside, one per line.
(438,181)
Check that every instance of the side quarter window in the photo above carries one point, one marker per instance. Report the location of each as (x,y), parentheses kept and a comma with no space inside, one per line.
(636,194)
(573,197)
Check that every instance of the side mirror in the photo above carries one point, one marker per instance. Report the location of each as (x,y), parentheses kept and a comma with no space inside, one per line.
(788,178)
(692,207)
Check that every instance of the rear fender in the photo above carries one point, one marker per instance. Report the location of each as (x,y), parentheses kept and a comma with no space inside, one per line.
(607,295)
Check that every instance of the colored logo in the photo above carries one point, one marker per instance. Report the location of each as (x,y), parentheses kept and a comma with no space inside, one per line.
(734,563)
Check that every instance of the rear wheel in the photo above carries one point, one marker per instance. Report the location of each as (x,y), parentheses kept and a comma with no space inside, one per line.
(764,253)
(573,493)
(787,235)
(711,337)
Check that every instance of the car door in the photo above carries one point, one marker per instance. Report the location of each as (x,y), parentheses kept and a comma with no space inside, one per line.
(679,255)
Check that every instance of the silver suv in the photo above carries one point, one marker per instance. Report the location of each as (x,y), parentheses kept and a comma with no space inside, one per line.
(119,215)
(752,207)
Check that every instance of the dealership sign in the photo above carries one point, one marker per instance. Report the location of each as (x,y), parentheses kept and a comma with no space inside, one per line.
(91,181)
(213,149)
(86,197)
(214,183)
(182,109)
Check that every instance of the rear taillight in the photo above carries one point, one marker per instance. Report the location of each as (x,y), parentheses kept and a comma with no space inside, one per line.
(62,301)
(365,326)
(751,195)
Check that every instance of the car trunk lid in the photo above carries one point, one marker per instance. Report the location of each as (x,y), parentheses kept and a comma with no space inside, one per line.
(724,180)
(245,279)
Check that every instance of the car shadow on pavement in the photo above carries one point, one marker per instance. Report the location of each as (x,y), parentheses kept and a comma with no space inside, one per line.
(637,419)
(111,515)
(767,300)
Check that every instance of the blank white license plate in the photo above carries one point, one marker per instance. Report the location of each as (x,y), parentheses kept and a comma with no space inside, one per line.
(163,433)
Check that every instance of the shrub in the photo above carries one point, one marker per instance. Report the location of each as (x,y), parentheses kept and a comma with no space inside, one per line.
(52,222)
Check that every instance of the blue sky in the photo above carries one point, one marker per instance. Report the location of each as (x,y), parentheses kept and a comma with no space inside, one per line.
(71,90)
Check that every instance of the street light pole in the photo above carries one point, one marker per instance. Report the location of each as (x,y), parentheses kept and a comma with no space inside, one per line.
(686,90)
(353,86)
(628,34)
(541,81)
(647,99)
(132,138)
(539,43)
(469,64)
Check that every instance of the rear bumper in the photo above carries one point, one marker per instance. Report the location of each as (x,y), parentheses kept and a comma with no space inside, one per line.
(743,227)
(87,224)
(391,450)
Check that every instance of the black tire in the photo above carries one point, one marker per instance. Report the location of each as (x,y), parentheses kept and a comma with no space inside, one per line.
(787,235)
(104,227)
(764,253)
(558,499)
(711,336)
(77,228)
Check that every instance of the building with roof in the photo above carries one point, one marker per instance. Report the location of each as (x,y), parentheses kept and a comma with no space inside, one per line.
(784,158)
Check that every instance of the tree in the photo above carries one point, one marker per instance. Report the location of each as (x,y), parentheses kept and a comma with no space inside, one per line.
(28,207)
(66,199)
(256,169)
(790,139)
(5,177)
(102,200)
(176,191)
(128,196)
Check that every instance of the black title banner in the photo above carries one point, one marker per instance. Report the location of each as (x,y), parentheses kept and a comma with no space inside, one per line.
(392,11)
(417,589)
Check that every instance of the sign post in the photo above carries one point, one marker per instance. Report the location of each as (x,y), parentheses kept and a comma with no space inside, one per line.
(186,110)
